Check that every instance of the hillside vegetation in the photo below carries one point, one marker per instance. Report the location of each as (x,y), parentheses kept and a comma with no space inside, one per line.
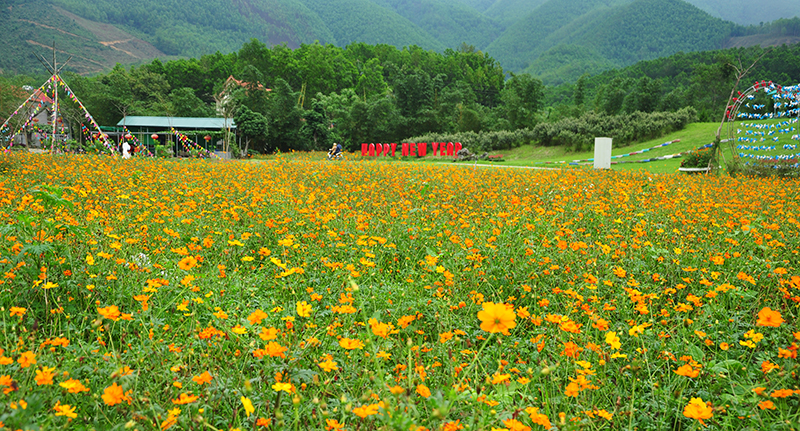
(557,40)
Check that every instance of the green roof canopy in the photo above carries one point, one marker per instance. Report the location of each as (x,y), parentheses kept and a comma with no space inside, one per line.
(197,123)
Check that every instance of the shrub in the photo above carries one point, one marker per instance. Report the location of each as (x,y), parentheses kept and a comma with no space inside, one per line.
(698,158)
(579,132)
(483,141)
(765,169)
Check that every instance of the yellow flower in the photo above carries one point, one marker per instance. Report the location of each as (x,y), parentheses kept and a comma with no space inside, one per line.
(613,340)
(303,309)
(248,406)
(497,318)
(279,386)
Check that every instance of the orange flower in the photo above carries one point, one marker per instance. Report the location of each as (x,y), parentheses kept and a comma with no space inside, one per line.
(364,411)
(45,376)
(380,329)
(74,386)
(202,378)
(515,425)
(65,410)
(328,365)
(766,405)
(351,344)
(114,395)
(17,311)
(497,318)
(256,317)
(423,391)
(27,359)
(112,312)
(333,425)
(187,263)
(570,326)
(184,398)
(687,370)
(698,409)
(538,418)
(769,317)
(781,393)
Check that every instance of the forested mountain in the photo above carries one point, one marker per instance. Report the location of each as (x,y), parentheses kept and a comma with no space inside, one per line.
(748,11)
(557,40)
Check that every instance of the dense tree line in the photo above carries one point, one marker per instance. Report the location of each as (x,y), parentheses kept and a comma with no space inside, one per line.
(702,80)
(317,94)
(309,97)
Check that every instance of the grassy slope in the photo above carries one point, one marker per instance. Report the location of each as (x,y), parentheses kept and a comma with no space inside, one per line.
(693,136)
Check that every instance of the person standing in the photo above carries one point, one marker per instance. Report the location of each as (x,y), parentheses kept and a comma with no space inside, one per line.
(126,150)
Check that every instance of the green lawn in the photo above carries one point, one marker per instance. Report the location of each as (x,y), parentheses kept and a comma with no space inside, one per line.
(693,136)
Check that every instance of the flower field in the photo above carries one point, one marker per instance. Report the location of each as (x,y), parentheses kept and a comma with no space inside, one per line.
(295,294)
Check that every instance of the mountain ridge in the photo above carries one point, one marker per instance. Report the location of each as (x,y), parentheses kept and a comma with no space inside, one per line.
(575,36)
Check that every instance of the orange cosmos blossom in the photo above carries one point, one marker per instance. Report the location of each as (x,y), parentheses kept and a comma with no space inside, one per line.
(698,409)
(74,386)
(114,395)
(769,317)
(27,359)
(202,378)
(515,425)
(45,376)
(187,263)
(497,318)
(687,371)
(65,410)
(328,365)
(112,312)
(351,344)
(185,398)
(364,411)
(423,391)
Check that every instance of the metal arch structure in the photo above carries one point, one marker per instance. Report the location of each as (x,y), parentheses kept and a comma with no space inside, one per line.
(785,105)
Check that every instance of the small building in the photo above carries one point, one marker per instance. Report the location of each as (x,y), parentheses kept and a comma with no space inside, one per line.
(195,128)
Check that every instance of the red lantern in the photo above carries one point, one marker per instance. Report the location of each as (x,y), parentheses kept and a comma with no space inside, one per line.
(154,136)
(207,138)
(128,136)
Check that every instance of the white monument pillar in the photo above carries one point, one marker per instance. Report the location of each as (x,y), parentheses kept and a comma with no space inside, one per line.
(602,153)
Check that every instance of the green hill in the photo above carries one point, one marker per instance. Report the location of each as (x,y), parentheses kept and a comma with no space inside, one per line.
(557,40)
(450,22)
(531,36)
(647,29)
(610,34)
(365,21)
(507,12)
(747,12)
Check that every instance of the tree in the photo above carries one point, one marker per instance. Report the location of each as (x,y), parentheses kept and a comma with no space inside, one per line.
(285,117)
(186,104)
(253,128)
(370,80)
(315,132)
(523,96)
